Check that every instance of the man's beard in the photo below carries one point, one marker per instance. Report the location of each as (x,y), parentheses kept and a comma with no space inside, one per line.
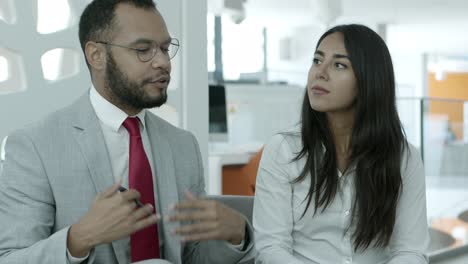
(129,93)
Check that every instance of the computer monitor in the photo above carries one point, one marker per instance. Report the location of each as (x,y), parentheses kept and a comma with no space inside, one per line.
(218,128)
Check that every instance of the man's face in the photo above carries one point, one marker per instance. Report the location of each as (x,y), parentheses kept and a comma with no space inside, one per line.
(130,83)
(131,92)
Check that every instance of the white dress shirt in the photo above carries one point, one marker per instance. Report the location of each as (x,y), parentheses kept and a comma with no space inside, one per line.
(117,142)
(282,236)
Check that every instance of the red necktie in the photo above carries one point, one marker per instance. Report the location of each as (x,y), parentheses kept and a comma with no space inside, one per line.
(144,244)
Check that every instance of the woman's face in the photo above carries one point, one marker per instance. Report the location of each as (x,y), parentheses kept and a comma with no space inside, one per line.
(331,83)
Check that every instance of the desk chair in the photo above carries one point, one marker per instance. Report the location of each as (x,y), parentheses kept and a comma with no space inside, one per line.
(240,179)
(242,204)
(463,216)
(439,240)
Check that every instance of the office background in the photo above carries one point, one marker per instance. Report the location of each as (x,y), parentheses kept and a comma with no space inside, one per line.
(259,51)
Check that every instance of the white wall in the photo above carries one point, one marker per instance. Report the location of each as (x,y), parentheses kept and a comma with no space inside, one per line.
(189,91)
(256,112)
(290,52)
(27,95)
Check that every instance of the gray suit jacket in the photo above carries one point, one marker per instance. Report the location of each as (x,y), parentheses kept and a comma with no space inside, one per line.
(54,169)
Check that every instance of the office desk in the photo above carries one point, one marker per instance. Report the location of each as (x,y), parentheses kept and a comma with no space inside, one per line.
(216,161)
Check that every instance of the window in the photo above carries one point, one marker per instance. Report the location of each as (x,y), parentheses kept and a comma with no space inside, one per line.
(52,17)
(242,47)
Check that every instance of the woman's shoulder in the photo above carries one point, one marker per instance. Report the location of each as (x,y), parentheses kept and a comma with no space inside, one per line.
(287,140)
(279,157)
(411,159)
(411,152)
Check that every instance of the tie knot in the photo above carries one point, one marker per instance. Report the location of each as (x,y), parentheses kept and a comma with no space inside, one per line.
(132,124)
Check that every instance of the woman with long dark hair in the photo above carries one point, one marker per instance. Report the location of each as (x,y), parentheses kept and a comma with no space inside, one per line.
(346,187)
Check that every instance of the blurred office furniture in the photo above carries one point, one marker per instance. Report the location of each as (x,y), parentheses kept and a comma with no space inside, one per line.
(437,126)
(458,255)
(439,240)
(254,114)
(454,159)
(454,227)
(463,216)
(217,161)
(444,138)
(217,120)
(242,204)
(233,172)
(240,179)
(221,152)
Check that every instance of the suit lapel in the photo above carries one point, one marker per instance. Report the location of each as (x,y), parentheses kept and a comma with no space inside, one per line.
(167,193)
(89,136)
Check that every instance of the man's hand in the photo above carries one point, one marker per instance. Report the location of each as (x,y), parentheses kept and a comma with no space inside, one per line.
(208,220)
(113,215)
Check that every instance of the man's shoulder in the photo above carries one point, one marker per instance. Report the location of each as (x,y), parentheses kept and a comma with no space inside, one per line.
(166,127)
(50,124)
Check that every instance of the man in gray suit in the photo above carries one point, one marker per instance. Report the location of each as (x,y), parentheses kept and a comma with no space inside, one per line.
(62,195)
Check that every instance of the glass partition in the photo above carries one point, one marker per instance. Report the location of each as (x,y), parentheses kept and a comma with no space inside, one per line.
(438,127)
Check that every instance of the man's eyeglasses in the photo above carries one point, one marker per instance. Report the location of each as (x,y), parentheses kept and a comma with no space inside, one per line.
(147,53)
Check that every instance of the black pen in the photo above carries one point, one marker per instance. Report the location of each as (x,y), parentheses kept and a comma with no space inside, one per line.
(123,189)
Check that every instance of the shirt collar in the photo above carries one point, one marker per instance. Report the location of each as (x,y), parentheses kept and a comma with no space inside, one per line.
(351,168)
(109,114)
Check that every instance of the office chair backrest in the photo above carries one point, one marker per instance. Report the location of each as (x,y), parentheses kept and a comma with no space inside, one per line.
(240,203)
(439,240)
(463,216)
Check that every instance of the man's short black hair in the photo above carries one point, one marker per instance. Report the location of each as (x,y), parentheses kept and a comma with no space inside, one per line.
(97,20)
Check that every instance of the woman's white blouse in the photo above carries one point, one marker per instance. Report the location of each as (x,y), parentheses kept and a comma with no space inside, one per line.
(282,236)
